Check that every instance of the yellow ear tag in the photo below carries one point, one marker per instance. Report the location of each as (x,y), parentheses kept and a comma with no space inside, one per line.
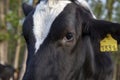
(108,44)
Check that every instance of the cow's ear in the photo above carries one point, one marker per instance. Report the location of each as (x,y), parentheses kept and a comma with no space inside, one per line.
(102,28)
(26,8)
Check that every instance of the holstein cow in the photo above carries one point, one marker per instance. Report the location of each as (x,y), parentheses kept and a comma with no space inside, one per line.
(63,39)
(6,72)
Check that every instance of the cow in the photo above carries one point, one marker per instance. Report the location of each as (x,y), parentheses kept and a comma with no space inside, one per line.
(6,72)
(63,40)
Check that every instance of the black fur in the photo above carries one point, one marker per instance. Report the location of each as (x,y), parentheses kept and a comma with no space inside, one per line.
(6,72)
(26,8)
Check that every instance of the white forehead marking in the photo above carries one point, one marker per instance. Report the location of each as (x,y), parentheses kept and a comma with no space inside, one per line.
(85,4)
(43,17)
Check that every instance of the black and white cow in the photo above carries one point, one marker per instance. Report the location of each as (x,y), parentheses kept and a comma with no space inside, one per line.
(6,72)
(63,40)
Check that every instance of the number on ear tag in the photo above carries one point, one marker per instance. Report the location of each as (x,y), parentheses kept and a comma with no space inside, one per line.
(108,44)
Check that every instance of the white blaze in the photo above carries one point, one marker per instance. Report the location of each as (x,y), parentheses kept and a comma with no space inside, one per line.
(43,17)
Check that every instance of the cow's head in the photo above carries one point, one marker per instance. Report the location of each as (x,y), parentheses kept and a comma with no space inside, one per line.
(60,36)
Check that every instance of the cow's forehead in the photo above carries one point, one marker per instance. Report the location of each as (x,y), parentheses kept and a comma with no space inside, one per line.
(44,16)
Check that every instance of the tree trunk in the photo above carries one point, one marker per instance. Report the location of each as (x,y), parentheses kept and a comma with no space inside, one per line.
(2,11)
(16,61)
(3,30)
(3,55)
(109,6)
(23,64)
(18,46)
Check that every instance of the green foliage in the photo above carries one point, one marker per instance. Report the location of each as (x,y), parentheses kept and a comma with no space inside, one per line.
(14,5)
(13,18)
(116,11)
(11,31)
(3,36)
(98,8)
(2,26)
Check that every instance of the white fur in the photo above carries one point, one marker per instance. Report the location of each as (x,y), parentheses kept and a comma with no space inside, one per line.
(43,17)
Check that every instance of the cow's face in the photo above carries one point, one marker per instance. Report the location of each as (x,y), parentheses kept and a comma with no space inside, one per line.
(54,38)
(58,38)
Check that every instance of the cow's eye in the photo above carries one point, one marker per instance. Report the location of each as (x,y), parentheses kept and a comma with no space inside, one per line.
(69,36)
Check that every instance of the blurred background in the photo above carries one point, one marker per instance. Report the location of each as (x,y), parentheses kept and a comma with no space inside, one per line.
(13,52)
